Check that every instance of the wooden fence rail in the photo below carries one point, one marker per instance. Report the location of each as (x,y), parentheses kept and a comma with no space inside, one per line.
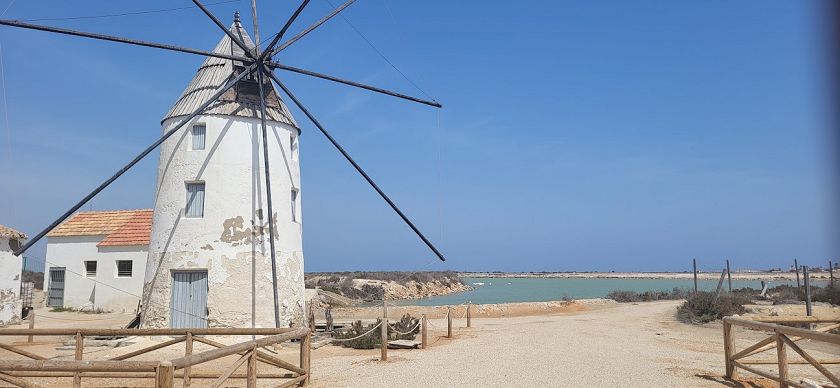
(164,373)
(781,338)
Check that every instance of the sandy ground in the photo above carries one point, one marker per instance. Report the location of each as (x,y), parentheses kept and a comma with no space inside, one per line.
(556,344)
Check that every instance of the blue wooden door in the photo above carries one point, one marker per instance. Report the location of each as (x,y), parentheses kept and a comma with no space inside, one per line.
(188,306)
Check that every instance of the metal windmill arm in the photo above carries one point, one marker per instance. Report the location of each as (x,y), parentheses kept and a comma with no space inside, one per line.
(310,28)
(293,69)
(356,165)
(111,38)
(227,32)
(136,159)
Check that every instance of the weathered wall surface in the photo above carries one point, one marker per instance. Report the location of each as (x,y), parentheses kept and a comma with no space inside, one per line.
(230,241)
(10,267)
(106,290)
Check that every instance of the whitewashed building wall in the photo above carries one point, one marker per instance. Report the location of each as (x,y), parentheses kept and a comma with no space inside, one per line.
(105,290)
(10,273)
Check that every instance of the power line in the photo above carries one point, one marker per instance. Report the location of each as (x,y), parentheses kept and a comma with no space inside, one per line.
(125,13)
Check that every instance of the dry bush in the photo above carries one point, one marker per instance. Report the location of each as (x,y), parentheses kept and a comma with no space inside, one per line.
(705,307)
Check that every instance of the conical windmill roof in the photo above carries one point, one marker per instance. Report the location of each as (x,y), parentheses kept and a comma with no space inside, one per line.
(241,100)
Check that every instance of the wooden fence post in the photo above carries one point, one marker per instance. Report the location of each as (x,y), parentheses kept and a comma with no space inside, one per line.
(188,349)
(830,275)
(694,262)
(796,266)
(469,323)
(423,337)
(165,375)
(729,275)
(80,345)
(720,283)
(449,322)
(31,338)
(808,309)
(729,348)
(252,368)
(383,335)
(306,356)
(782,355)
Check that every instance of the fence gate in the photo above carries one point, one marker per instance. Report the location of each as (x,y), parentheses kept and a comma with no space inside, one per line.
(55,293)
(188,307)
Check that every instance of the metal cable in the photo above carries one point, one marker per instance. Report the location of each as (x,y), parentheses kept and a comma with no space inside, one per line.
(125,13)
(359,336)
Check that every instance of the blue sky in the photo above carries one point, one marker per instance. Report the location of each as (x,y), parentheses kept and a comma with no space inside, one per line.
(575,135)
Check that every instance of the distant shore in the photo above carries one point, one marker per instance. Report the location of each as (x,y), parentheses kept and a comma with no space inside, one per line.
(741,275)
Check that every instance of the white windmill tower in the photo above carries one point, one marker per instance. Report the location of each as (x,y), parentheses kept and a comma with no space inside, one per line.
(209,253)
(209,262)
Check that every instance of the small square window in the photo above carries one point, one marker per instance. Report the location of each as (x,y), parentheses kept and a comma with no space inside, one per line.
(90,269)
(199,133)
(125,268)
(195,200)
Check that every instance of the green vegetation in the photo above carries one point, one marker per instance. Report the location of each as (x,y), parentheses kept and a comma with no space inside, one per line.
(705,306)
(648,296)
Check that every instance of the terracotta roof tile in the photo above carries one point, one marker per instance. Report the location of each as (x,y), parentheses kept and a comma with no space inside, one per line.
(120,227)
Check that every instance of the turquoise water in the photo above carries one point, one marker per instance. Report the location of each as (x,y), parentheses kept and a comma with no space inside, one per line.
(507,290)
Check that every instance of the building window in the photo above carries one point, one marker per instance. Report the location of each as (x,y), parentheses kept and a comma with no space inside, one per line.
(90,269)
(195,200)
(294,205)
(293,146)
(125,268)
(199,133)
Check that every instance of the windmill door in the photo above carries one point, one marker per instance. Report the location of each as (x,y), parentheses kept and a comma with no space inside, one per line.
(55,292)
(188,307)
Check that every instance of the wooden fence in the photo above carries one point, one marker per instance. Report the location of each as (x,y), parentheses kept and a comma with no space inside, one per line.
(781,338)
(20,372)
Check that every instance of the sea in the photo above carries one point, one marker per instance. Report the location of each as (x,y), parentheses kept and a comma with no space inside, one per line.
(510,290)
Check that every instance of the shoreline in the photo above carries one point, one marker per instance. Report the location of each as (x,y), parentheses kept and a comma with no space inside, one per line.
(744,275)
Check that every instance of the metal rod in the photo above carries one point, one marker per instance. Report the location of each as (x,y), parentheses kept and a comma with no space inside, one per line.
(356,166)
(111,38)
(352,83)
(217,22)
(268,196)
(269,49)
(134,161)
(310,28)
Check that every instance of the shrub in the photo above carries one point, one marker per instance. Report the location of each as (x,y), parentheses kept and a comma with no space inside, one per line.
(705,307)
(827,295)
(647,296)
(407,324)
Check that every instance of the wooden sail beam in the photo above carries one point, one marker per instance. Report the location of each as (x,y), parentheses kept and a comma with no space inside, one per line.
(111,38)
(282,32)
(298,70)
(136,159)
(309,29)
(356,166)
(226,30)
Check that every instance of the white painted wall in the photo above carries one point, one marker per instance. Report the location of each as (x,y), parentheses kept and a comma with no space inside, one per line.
(226,241)
(10,272)
(105,290)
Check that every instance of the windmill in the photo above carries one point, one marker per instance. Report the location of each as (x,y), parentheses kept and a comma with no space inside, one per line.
(235,84)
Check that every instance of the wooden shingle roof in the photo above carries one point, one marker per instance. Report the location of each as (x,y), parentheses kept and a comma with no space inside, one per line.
(120,227)
(214,73)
